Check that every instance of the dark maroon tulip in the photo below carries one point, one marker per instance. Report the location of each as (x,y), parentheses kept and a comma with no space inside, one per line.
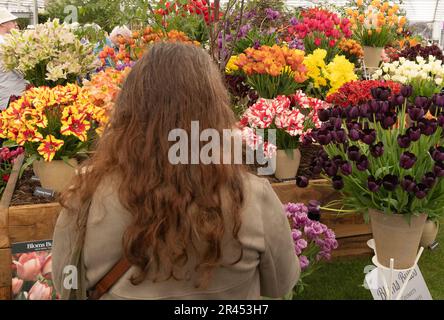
(374,106)
(301,181)
(441,120)
(388,120)
(385,106)
(368,136)
(427,127)
(316,169)
(314,210)
(307,140)
(414,133)
(354,125)
(398,100)
(404,141)
(407,160)
(390,182)
(354,135)
(346,168)
(330,168)
(422,102)
(353,113)
(373,184)
(416,113)
(438,100)
(336,123)
(362,164)
(353,153)
(338,183)
(438,169)
(406,91)
(339,135)
(438,154)
(324,137)
(338,160)
(429,179)
(421,191)
(408,184)
(364,111)
(380,93)
(337,112)
(322,154)
(324,115)
(377,150)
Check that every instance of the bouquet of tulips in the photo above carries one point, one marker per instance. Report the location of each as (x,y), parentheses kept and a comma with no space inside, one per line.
(53,123)
(424,75)
(313,241)
(376,23)
(48,55)
(385,154)
(273,71)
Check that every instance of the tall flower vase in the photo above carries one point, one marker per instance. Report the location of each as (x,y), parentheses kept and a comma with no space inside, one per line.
(56,174)
(287,163)
(429,233)
(396,237)
(372,57)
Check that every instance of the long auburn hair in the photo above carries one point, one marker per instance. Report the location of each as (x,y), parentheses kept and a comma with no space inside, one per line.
(172,206)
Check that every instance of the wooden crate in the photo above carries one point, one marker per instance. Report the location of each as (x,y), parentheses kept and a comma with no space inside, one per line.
(19,224)
(351,231)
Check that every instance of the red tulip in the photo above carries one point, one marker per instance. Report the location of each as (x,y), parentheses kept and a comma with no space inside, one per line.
(40,291)
(317,42)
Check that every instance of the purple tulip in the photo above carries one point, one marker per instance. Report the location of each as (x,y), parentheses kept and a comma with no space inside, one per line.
(338,183)
(398,100)
(380,93)
(429,179)
(390,182)
(307,140)
(353,153)
(422,102)
(438,100)
(364,111)
(301,181)
(339,136)
(362,164)
(404,141)
(353,113)
(421,191)
(322,154)
(441,120)
(346,168)
(385,106)
(336,123)
(377,150)
(388,120)
(408,184)
(354,135)
(406,91)
(437,154)
(374,106)
(414,133)
(407,160)
(330,168)
(314,210)
(369,136)
(438,169)
(373,184)
(354,125)
(324,115)
(416,113)
(272,14)
(324,137)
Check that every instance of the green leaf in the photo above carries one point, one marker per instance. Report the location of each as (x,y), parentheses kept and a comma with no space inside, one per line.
(9,144)
(27,163)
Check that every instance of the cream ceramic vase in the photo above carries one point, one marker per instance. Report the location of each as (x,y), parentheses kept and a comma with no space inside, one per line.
(287,163)
(372,57)
(56,174)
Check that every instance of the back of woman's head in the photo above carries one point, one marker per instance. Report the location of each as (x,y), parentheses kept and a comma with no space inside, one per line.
(172,205)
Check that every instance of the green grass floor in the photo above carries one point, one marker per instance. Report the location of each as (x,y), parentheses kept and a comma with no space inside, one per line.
(344,278)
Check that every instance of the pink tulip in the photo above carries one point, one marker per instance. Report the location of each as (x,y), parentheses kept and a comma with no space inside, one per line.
(40,291)
(16,285)
(28,266)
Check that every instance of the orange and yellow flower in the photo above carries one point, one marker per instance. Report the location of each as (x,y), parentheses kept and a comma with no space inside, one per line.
(49,146)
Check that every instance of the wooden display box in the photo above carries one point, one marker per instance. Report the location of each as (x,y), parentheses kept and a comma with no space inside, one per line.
(20,224)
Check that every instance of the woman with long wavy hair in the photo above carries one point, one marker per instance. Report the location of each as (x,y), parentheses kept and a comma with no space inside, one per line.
(189,231)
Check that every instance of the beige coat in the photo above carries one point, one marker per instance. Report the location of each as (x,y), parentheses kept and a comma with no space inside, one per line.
(269,266)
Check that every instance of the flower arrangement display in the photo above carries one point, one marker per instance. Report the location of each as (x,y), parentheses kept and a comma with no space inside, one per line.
(351,49)
(32,278)
(52,123)
(326,78)
(7,159)
(376,23)
(424,75)
(320,28)
(293,117)
(49,55)
(313,241)
(379,159)
(355,93)
(273,71)
(104,87)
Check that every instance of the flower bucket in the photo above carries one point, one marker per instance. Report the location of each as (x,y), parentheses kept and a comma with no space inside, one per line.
(287,163)
(429,233)
(396,238)
(372,57)
(55,175)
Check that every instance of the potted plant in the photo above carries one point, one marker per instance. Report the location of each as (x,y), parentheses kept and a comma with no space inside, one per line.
(375,24)
(387,166)
(54,125)
(48,55)
(292,117)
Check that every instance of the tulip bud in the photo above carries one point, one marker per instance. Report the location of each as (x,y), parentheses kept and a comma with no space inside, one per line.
(390,182)
(407,160)
(353,153)
(406,91)
(377,150)
(373,184)
(404,141)
(301,181)
(338,183)
(408,184)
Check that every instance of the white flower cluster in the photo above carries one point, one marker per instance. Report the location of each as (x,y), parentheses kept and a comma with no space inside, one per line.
(52,46)
(406,71)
